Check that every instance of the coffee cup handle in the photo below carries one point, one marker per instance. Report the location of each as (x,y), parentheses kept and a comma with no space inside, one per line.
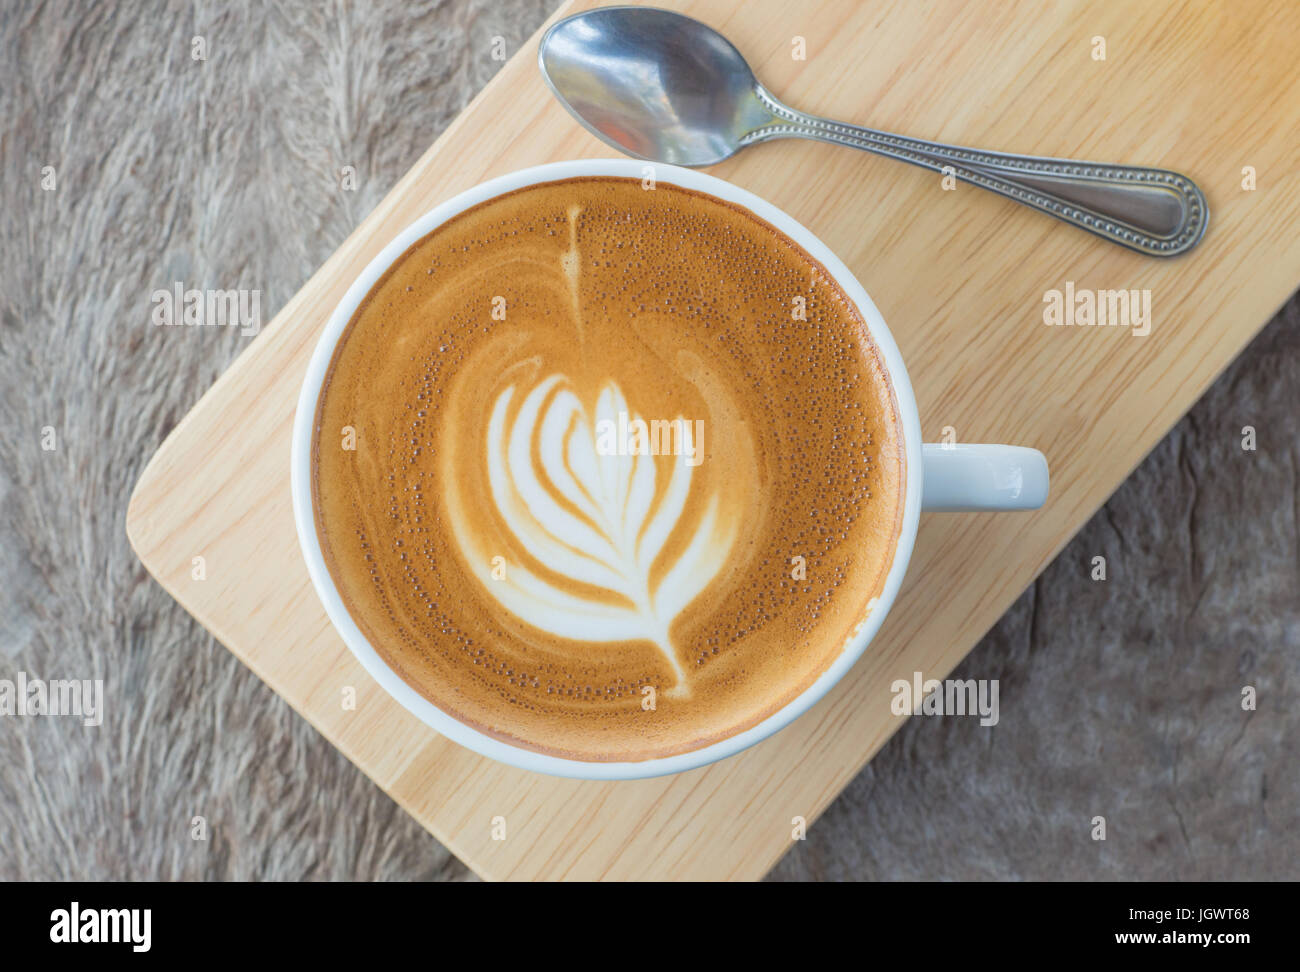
(960,477)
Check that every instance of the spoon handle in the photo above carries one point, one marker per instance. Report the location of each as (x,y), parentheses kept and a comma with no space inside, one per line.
(1153,211)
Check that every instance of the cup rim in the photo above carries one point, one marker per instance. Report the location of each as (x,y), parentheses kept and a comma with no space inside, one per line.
(405,694)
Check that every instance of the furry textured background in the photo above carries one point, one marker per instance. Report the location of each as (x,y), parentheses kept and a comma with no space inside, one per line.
(1119,698)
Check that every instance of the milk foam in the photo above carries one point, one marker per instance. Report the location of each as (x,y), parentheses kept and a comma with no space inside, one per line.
(595,520)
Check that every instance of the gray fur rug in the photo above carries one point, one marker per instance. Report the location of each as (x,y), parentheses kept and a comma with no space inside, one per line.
(1118,699)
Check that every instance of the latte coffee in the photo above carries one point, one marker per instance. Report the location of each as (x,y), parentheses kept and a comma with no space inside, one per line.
(607,472)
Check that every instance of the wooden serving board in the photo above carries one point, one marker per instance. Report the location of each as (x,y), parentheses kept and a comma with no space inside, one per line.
(960,277)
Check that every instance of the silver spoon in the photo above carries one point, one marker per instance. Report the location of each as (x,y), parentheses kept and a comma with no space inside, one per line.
(665,88)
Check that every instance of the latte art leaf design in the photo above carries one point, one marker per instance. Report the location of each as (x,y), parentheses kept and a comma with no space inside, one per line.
(599,520)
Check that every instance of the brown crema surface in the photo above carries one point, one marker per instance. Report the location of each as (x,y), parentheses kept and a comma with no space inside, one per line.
(488,511)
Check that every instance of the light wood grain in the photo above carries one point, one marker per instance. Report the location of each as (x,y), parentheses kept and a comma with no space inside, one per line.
(959,276)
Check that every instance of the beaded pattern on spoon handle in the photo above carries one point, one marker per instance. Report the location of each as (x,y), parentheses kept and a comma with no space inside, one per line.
(997,172)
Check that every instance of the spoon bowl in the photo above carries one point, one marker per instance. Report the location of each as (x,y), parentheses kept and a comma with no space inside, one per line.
(653,84)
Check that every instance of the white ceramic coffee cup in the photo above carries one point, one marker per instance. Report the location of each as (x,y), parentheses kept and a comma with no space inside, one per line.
(938,477)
